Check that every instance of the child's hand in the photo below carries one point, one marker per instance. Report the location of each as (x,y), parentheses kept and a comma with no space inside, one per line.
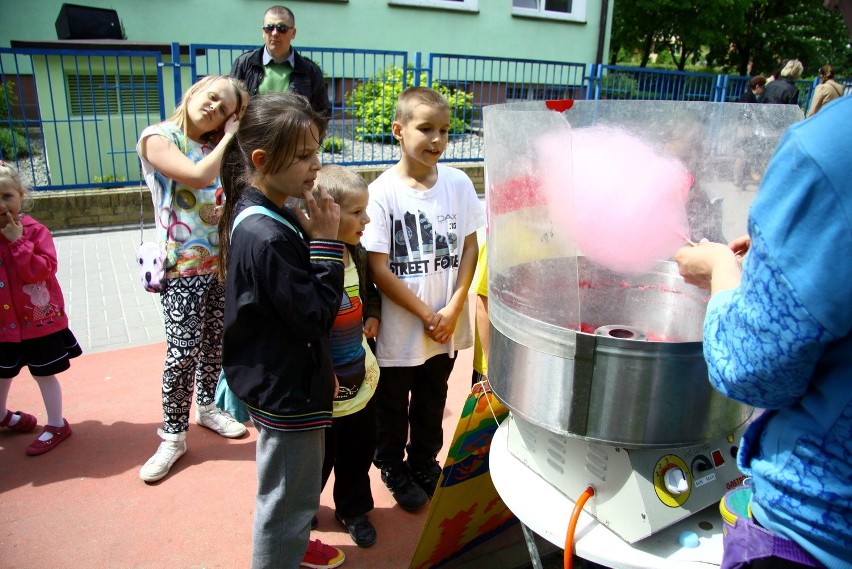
(371,327)
(323,218)
(231,125)
(12,227)
(443,330)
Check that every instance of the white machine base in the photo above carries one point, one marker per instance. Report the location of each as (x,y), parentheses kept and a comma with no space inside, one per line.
(638,492)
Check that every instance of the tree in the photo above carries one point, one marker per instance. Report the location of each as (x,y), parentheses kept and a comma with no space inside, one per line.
(681,28)
(776,30)
(739,36)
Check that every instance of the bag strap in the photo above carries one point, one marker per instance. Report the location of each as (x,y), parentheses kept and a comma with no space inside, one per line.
(261,210)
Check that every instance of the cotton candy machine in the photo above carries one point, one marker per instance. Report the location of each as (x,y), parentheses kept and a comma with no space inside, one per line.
(596,341)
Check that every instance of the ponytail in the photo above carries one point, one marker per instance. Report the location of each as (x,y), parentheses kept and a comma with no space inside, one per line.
(233,177)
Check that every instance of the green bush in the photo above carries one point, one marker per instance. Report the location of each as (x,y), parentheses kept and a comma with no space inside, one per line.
(12,144)
(332,145)
(373,103)
(618,85)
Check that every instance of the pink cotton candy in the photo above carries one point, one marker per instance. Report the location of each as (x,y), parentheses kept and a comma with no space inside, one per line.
(629,202)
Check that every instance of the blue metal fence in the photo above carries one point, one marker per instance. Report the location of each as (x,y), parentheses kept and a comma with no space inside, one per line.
(70,119)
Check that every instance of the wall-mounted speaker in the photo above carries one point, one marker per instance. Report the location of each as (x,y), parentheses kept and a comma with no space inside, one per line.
(86,23)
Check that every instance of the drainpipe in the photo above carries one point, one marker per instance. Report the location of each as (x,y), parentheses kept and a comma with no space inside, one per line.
(602,32)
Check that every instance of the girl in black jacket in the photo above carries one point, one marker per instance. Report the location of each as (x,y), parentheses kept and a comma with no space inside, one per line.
(283,276)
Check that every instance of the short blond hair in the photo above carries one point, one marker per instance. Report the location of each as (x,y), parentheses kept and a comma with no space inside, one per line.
(413,96)
(340,183)
(10,178)
(793,69)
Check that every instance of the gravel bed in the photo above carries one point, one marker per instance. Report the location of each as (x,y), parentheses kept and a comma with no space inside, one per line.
(34,173)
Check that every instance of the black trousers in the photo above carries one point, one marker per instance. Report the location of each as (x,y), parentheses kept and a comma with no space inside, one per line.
(412,399)
(349,447)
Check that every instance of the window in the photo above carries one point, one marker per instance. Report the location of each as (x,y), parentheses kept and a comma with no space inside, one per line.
(462,5)
(113,94)
(569,10)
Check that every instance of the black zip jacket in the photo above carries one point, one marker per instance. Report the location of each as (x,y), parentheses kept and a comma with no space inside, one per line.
(282,295)
(306,78)
(370,297)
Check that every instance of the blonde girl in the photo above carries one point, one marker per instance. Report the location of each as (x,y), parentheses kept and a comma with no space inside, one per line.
(33,323)
(180,162)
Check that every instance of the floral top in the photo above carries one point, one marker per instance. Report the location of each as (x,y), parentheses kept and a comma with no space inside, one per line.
(186,218)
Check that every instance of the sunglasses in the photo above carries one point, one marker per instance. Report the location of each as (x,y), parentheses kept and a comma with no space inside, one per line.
(282,28)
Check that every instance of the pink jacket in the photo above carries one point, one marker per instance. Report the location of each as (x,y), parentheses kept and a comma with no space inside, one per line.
(31,303)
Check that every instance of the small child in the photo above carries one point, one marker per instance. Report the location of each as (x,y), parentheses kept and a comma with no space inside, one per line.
(283,278)
(34,328)
(422,247)
(482,340)
(351,440)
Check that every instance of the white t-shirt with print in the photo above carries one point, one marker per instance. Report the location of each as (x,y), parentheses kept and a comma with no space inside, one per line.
(423,234)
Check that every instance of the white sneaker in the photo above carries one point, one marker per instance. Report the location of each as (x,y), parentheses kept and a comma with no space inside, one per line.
(171,449)
(220,421)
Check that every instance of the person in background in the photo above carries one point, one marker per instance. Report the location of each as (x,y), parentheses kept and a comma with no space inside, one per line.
(778,336)
(278,67)
(745,165)
(351,440)
(422,246)
(783,91)
(754,91)
(180,163)
(34,329)
(482,325)
(827,90)
(284,278)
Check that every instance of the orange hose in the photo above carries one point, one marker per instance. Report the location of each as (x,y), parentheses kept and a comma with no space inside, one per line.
(572,525)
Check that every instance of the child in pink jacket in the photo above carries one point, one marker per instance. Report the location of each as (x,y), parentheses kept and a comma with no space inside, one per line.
(33,324)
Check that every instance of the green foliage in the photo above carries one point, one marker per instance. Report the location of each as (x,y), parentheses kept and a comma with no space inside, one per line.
(13,144)
(730,36)
(7,98)
(107,179)
(373,103)
(332,144)
(618,85)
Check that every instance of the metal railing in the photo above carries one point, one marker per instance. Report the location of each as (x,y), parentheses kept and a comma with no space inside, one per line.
(71,119)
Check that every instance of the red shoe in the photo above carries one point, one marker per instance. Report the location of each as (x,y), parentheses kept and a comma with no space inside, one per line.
(322,556)
(59,434)
(25,424)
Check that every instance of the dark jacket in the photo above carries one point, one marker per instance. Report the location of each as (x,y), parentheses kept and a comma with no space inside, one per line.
(370,297)
(748,96)
(282,295)
(305,79)
(782,91)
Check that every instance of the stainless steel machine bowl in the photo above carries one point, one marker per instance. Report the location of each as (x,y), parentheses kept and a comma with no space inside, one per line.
(629,371)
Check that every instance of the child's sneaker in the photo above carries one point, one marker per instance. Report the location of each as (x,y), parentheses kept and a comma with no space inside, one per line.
(321,556)
(407,494)
(39,446)
(426,476)
(25,423)
(172,448)
(220,421)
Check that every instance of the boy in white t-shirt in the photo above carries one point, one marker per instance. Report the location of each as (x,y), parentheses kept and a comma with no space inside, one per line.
(422,248)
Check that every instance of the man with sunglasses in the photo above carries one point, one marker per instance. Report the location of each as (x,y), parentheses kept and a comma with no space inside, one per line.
(278,67)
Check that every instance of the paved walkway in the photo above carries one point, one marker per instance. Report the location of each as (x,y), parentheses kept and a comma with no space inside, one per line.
(107,306)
